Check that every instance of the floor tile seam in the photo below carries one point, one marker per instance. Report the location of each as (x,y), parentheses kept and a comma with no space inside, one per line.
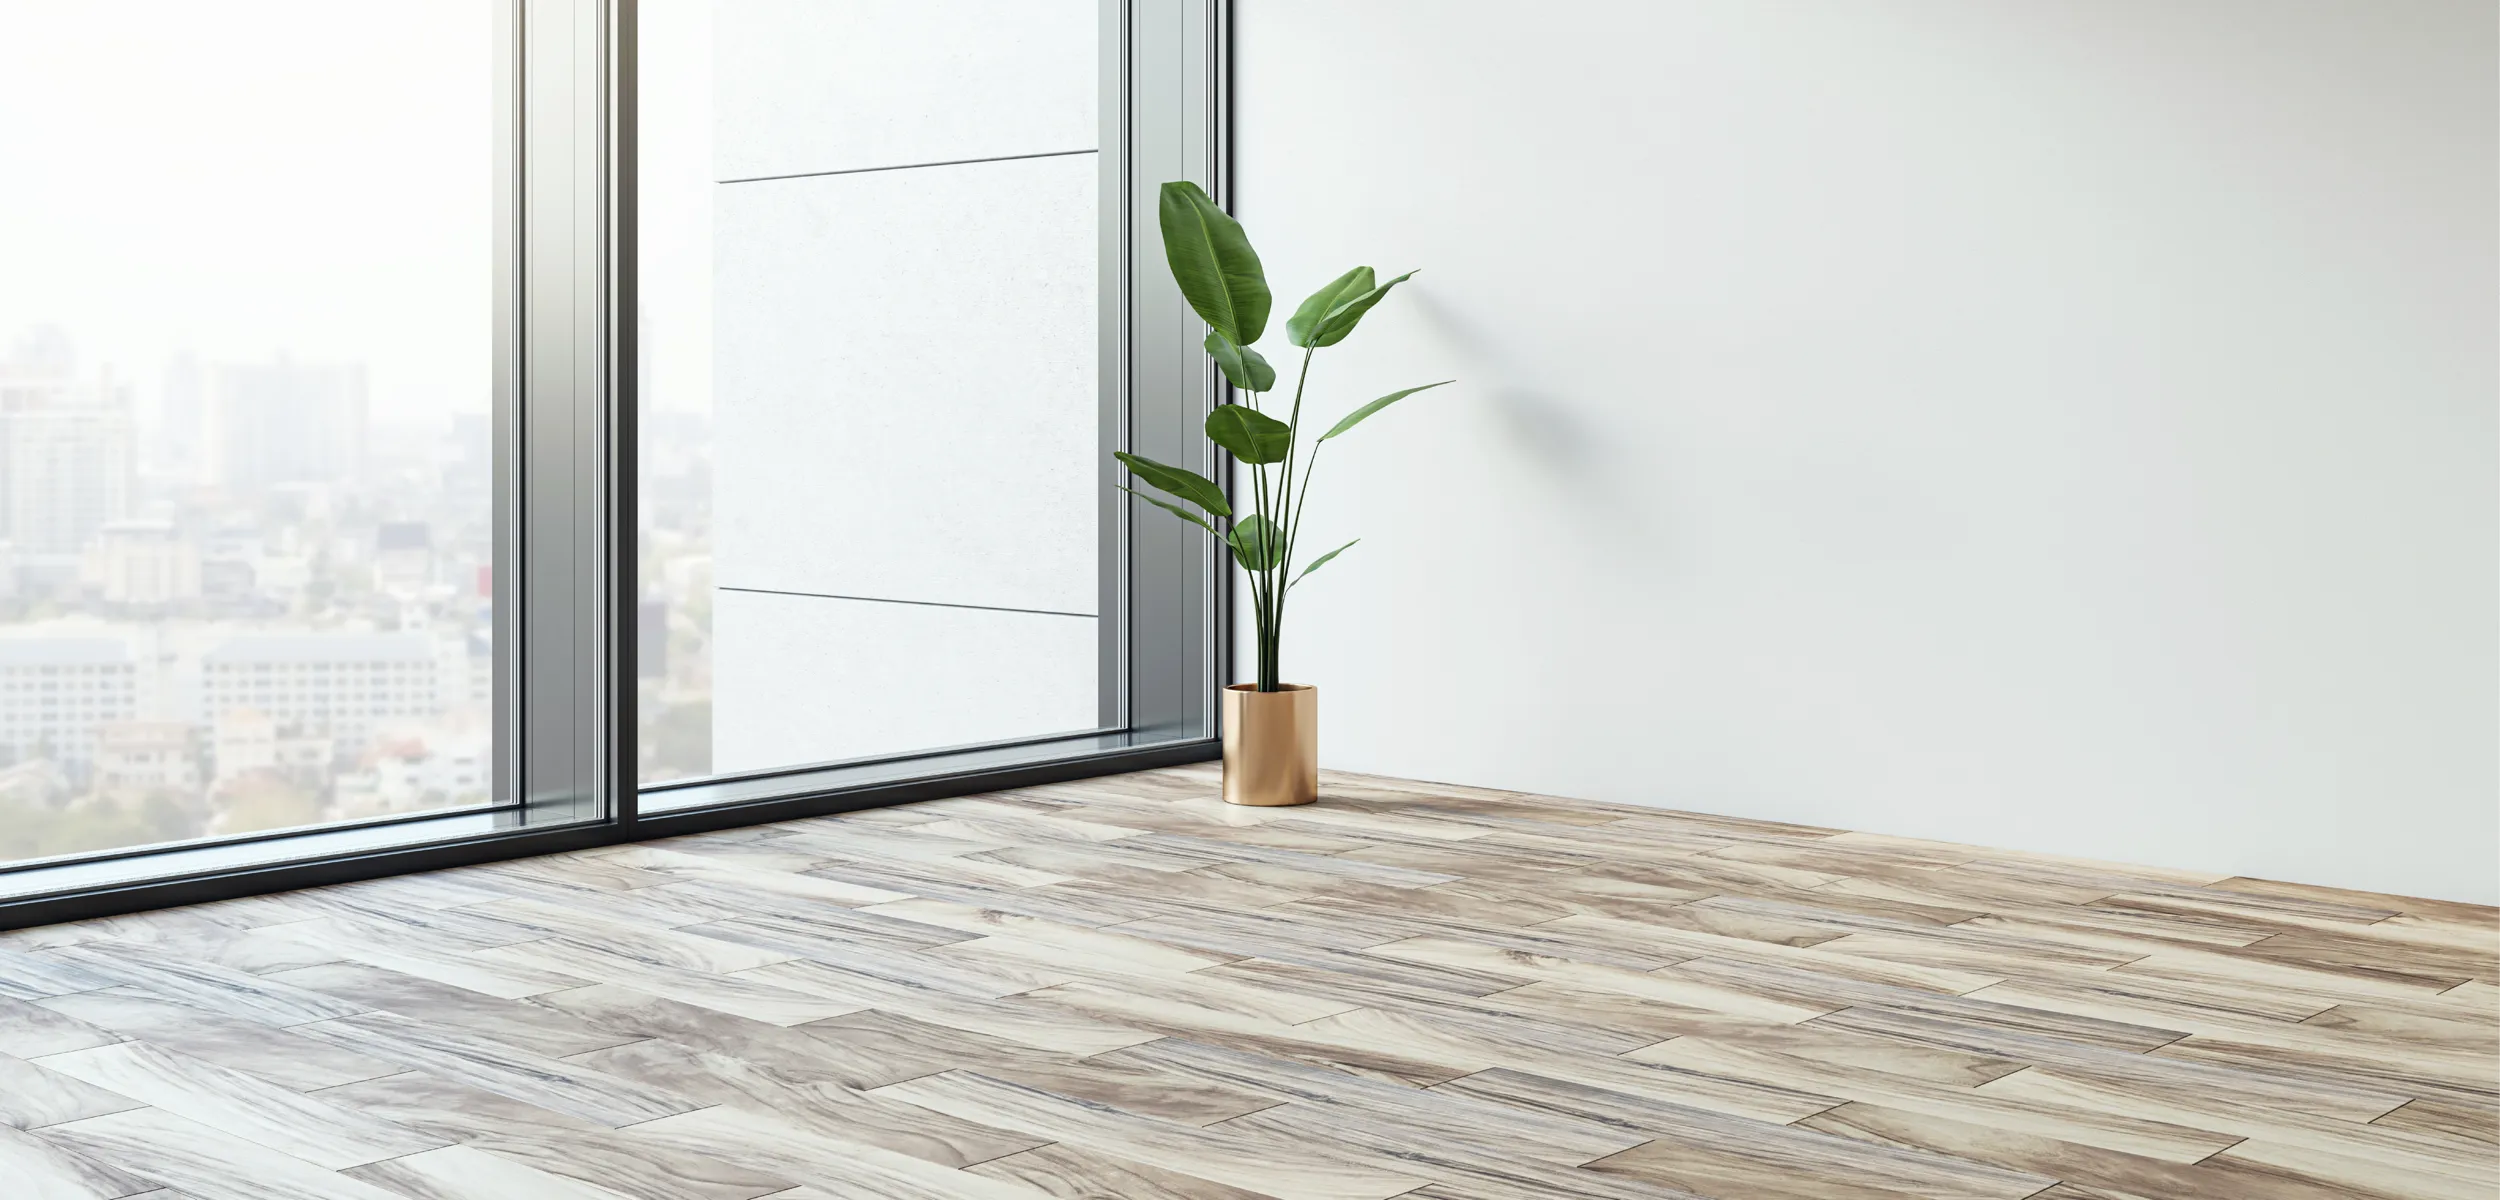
(249,1141)
(135,1103)
(1411,1167)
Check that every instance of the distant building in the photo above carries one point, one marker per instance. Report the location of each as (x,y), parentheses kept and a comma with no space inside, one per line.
(403,555)
(142,562)
(169,441)
(56,693)
(227,578)
(66,465)
(286,422)
(245,742)
(431,764)
(137,757)
(344,685)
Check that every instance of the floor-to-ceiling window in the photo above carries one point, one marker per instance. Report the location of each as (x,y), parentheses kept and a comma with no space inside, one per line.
(246,386)
(475,421)
(886,338)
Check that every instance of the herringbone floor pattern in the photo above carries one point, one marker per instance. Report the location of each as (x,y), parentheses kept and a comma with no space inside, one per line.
(1121,988)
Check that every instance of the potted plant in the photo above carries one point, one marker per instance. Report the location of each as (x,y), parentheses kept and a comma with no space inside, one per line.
(1271,728)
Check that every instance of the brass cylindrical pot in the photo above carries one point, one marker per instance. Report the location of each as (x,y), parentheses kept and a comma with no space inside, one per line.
(1271,745)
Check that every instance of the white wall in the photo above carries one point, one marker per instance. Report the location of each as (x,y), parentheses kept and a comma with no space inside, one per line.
(2058,425)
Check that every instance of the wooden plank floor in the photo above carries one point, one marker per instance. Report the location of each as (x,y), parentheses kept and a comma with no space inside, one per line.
(1120,988)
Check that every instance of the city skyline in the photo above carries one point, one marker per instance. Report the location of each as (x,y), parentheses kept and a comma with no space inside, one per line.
(271,618)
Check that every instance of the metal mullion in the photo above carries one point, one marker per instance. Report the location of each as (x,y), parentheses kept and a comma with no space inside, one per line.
(565,444)
(504,436)
(1116,382)
(622,697)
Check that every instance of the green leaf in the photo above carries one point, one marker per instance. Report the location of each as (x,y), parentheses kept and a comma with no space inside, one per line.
(1319,562)
(1253,436)
(1356,417)
(1256,543)
(1241,364)
(1341,320)
(1325,301)
(1186,484)
(1213,263)
(1178,511)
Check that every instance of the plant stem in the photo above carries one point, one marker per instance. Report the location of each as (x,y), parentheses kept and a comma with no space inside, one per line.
(1288,521)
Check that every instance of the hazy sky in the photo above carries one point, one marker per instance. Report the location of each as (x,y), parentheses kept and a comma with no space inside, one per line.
(247,176)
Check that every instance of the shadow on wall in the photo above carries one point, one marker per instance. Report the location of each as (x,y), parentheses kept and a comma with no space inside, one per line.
(1557,438)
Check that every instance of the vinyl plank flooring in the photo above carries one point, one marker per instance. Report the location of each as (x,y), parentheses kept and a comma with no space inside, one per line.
(37,1169)
(835,1166)
(31,1096)
(1038,1026)
(1073,1174)
(1430,1115)
(1713,1155)
(1327,1137)
(1594,1028)
(2098,1168)
(2155,1074)
(1121,988)
(1139,1087)
(467,1173)
(240,1105)
(744,994)
(473,1058)
(36,974)
(727,877)
(196,1160)
(277,1055)
(218,989)
(33,1030)
(2400,1029)
(1669,991)
(514,1023)
(855,1050)
(2460,1123)
(2128,1134)
(556,1144)
(1218,1153)
(831,1109)
(447,963)
(1839,992)
(907,967)
(2372,1174)
(2394,1148)
(1053,940)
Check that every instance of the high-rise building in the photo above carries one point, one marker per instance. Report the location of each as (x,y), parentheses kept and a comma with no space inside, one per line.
(286,422)
(66,463)
(67,473)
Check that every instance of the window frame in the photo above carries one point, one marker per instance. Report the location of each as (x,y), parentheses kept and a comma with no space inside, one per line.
(564,415)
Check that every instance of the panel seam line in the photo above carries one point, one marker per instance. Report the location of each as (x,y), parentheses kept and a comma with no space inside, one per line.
(951,162)
(1043,612)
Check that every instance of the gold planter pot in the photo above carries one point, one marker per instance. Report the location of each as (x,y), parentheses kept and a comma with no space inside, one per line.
(1271,745)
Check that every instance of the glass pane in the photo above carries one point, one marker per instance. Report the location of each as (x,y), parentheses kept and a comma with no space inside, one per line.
(245,455)
(872,417)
